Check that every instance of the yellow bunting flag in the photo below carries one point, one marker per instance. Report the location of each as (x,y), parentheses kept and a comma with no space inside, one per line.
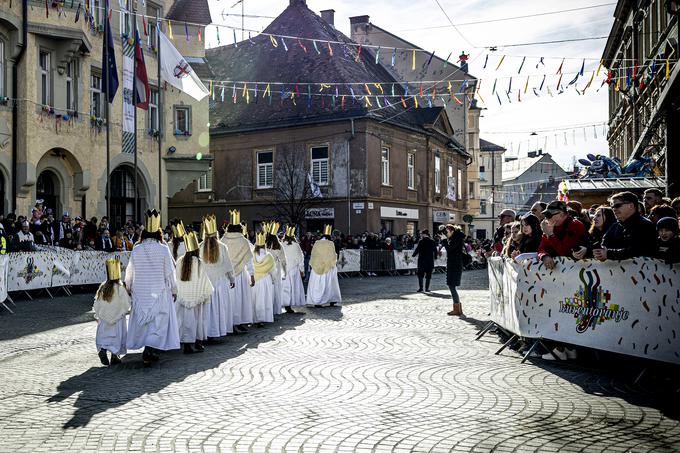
(413,59)
(589,82)
(449,87)
(245,89)
(274,41)
(618,85)
(379,86)
(170,30)
(368,102)
(526,85)
(266,91)
(500,62)
(415,99)
(598,68)
(368,90)
(668,68)
(480,97)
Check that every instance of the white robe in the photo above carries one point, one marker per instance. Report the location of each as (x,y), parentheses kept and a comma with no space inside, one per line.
(323,289)
(263,295)
(219,315)
(112,321)
(192,300)
(241,294)
(293,293)
(150,276)
(279,277)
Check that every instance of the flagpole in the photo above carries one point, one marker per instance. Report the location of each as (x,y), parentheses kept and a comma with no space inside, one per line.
(160,109)
(106,73)
(134,101)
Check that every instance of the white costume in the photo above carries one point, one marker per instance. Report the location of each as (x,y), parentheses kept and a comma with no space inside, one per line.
(112,322)
(293,289)
(192,297)
(323,285)
(241,294)
(150,276)
(220,311)
(263,291)
(280,275)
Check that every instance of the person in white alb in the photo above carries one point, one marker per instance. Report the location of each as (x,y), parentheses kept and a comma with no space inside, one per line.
(241,256)
(274,247)
(293,293)
(323,285)
(193,297)
(178,233)
(264,268)
(218,267)
(111,306)
(150,279)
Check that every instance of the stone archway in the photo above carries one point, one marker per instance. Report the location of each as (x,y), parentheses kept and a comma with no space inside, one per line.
(147,188)
(123,195)
(61,179)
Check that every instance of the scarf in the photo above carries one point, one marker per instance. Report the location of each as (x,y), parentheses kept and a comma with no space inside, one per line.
(323,257)
(111,312)
(264,267)
(197,290)
(239,251)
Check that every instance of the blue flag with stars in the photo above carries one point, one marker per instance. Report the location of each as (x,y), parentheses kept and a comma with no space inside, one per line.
(110,73)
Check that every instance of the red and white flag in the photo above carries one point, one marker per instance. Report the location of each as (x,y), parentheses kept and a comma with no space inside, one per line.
(141,84)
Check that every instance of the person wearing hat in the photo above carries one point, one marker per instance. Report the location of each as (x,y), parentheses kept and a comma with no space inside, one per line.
(151,281)
(426,251)
(631,236)
(111,306)
(264,268)
(194,292)
(241,256)
(323,287)
(293,294)
(668,242)
(24,241)
(220,271)
(178,234)
(506,217)
(561,235)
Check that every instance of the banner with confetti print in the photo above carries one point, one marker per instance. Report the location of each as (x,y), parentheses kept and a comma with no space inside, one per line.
(629,307)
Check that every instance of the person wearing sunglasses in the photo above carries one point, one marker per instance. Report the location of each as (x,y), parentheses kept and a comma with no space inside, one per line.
(564,234)
(506,217)
(632,235)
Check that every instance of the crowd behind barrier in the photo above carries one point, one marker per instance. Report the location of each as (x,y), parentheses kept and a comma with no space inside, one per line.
(629,307)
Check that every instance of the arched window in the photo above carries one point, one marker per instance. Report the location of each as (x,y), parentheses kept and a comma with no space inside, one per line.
(47,190)
(122,196)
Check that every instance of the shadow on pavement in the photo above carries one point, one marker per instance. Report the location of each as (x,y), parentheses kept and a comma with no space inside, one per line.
(101,388)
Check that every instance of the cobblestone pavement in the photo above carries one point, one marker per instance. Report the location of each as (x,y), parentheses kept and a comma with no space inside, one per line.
(388,371)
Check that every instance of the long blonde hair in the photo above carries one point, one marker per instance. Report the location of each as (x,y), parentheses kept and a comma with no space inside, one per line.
(211,250)
(187,261)
(106,290)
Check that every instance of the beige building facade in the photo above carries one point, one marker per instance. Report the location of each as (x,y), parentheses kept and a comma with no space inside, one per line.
(53,135)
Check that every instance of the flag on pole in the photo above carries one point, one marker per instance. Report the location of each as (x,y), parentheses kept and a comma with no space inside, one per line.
(141,85)
(176,70)
(316,190)
(110,74)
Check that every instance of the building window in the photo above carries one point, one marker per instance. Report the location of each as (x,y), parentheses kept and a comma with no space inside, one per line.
(320,165)
(45,98)
(385,165)
(265,169)
(2,68)
(482,169)
(205,181)
(182,120)
(96,95)
(411,171)
(471,190)
(437,173)
(450,182)
(152,12)
(482,207)
(97,8)
(127,19)
(72,85)
(153,110)
(459,192)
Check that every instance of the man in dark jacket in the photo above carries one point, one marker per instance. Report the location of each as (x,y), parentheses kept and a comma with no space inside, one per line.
(561,234)
(426,251)
(104,242)
(631,236)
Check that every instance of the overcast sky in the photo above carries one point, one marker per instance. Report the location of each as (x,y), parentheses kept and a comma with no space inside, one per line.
(418,22)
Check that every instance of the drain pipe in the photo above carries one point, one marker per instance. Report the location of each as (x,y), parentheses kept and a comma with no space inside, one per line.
(15,94)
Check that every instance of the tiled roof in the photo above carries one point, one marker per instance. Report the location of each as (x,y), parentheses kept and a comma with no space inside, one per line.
(193,11)
(302,71)
(513,169)
(615,184)
(485,145)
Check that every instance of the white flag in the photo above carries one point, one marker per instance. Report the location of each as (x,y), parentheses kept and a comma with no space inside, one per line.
(316,190)
(451,190)
(176,71)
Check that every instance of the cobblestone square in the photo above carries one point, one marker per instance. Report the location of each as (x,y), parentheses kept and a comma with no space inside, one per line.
(387,371)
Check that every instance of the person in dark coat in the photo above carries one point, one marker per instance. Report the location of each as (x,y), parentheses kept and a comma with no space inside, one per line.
(453,243)
(426,251)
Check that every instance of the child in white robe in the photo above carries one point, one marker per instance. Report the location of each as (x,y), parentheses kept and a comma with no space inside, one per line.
(193,294)
(323,287)
(264,268)
(241,257)
(275,249)
(111,305)
(293,289)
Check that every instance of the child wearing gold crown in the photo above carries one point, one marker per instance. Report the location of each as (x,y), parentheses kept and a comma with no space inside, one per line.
(220,271)
(178,233)
(323,285)
(193,294)
(111,305)
(274,247)
(293,293)
(241,255)
(264,267)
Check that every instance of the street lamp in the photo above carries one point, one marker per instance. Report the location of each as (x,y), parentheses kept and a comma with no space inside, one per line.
(673,7)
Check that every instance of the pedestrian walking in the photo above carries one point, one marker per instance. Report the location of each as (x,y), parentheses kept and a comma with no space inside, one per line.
(453,243)
(426,251)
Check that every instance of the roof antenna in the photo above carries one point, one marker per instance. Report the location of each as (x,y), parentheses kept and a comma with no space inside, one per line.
(243,15)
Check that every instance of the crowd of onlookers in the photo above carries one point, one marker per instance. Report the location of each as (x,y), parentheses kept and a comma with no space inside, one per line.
(625,227)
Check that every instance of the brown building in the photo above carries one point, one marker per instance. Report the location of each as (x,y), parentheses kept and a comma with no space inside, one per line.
(644,91)
(374,167)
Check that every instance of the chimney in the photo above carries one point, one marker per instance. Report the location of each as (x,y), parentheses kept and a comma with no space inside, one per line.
(298,2)
(357,20)
(329,16)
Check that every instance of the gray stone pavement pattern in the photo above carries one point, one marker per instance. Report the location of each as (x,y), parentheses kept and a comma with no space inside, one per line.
(387,371)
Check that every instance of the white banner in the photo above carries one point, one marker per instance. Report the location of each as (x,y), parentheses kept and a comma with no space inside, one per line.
(404,260)
(128,95)
(629,307)
(349,261)
(4,268)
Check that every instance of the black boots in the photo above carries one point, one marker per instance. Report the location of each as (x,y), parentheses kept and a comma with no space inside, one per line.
(103,358)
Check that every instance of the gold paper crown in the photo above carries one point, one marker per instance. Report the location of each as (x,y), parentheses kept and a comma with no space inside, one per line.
(178,230)
(234,217)
(209,225)
(260,238)
(290,231)
(113,269)
(152,221)
(274,228)
(191,241)
(327,230)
